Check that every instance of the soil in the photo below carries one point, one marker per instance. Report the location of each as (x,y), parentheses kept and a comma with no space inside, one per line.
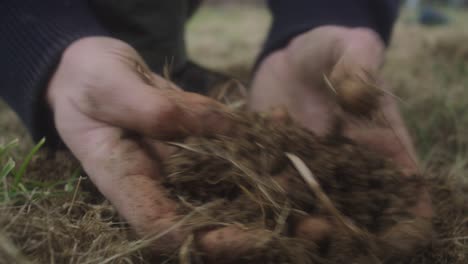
(246,179)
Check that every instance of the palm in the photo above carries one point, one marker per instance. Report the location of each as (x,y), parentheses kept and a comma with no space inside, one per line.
(294,78)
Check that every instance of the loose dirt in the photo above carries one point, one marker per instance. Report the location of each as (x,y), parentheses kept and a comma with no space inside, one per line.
(247,179)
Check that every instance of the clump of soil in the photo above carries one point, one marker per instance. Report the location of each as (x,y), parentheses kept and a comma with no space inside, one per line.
(247,179)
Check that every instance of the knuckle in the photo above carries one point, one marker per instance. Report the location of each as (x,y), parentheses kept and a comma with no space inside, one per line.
(90,59)
(89,64)
(365,34)
(165,114)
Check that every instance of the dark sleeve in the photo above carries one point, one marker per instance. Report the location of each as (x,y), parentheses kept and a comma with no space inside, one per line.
(33,35)
(294,17)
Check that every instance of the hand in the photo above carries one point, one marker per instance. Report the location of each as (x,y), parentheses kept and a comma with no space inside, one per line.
(294,78)
(111,111)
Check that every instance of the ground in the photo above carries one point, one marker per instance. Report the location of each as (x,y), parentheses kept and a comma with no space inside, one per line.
(426,67)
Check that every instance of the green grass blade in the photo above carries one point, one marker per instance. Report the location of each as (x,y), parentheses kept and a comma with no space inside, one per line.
(8,146)
(22,169)
(7,168)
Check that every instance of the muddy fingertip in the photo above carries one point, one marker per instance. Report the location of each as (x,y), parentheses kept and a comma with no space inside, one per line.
(357,94)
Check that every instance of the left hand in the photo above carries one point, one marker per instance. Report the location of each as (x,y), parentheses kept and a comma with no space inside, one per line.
(293,78)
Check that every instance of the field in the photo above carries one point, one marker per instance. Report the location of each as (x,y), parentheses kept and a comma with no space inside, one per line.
(56,221)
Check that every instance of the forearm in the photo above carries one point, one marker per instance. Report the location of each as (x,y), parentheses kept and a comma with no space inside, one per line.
(33,36)
(291,18)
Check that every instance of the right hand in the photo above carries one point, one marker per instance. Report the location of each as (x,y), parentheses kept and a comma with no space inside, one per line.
(110,111)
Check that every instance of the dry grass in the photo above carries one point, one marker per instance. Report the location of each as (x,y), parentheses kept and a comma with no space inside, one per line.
(427,68)
(231,177)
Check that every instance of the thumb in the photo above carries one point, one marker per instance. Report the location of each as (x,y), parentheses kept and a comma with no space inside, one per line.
(355,73)
(155,111)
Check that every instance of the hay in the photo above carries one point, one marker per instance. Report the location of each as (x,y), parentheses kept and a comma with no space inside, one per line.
(50,235)
(238,176)
(236,179)
(64,227)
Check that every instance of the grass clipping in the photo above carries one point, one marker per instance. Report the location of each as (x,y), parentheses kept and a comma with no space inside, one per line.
(237,180)
(50,225)
(266,176)
(263,177)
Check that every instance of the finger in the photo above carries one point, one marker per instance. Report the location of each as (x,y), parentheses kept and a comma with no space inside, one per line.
(357,49)
(390,138)
(279,115)
(357,91)
(162,149)
(158,113)
(386,143)
(406,237)
(318,51)
(124,170)
(423,207)
(223,245)
(355,73)
(312,228)
(163,83)
(228,244)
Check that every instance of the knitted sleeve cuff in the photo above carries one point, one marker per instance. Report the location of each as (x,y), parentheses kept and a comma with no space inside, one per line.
(291,18)
(33,36)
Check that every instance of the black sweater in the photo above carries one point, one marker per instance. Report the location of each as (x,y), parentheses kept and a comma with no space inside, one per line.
(33,35)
